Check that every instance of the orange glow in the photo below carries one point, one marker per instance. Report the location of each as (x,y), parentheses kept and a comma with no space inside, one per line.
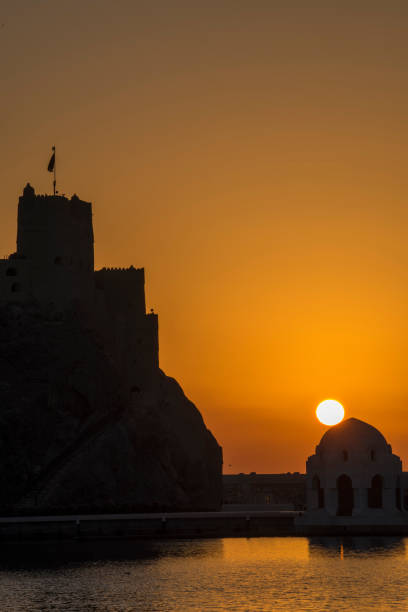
(251,157)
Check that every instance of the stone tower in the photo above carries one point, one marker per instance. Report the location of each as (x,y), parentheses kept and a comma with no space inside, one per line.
(53,268)
(54,261)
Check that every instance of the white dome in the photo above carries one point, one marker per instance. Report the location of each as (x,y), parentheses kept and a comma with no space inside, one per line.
(353,435)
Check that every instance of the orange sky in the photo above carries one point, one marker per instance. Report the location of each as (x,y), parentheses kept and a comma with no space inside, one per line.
(252,157)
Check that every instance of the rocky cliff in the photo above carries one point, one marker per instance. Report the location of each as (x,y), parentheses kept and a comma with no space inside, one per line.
(71,439)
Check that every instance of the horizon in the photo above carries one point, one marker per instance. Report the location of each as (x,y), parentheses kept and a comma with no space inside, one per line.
(252,161)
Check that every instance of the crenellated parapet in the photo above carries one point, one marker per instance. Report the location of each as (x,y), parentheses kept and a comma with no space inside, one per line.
(130,270)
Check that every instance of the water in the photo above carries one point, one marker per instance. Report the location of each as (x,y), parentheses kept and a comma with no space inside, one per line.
(237,574)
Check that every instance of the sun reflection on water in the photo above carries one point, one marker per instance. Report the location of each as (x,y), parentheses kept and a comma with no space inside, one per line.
(241,574)
(265,549)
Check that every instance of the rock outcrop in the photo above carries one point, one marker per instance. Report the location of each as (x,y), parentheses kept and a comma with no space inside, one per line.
(71,437)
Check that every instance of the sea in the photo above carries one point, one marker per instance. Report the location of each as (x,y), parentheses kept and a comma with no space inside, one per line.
(234,574)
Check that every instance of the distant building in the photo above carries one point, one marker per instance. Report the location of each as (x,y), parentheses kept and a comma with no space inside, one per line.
(354,478)
(53,267)
(286,490)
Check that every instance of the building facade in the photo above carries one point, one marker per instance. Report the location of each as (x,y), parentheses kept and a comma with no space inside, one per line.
(354,478)
(269,490)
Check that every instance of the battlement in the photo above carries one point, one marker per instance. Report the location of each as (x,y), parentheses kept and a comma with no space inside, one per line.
(29,194)
(40,203)
(130,270)
(123,289)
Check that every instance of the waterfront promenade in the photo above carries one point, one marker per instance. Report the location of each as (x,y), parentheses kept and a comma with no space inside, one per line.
(162,525)
(149,525)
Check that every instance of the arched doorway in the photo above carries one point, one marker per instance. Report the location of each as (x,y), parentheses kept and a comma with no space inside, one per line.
(319,492)
(374,499)
(345,496)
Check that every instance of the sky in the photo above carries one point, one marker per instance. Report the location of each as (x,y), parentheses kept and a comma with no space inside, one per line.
(251,156)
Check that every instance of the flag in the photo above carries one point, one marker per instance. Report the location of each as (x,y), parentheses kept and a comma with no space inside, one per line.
(51,163)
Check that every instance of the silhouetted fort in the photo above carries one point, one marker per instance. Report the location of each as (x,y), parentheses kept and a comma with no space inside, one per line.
(88,421)
(54,266)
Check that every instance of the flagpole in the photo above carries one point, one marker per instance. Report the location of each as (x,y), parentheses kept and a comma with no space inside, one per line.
(55,170)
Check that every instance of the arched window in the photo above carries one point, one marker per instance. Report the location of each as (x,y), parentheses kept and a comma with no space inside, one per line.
(319,491)
(11,272)
(375,492)
(344,455)
(15,287)
(345,496)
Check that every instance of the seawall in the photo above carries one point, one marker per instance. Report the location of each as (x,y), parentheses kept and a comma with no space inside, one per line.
(178,525)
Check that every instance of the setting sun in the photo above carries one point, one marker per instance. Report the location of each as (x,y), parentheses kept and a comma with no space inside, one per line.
(330,412)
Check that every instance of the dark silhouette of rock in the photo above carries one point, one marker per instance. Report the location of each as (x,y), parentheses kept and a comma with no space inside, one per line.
(88,421)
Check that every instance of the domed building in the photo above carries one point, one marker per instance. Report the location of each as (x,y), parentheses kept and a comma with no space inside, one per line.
(354,478)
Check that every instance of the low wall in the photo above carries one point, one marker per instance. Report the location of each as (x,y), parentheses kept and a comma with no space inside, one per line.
(179,525)
(163,525)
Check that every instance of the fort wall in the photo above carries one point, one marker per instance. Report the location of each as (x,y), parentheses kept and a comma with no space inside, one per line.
(130,333)
(123,289)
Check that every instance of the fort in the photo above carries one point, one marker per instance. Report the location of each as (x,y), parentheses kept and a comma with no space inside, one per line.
(53,266)
(88,420)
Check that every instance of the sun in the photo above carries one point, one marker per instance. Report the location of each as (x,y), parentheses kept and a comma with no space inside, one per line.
(330,412)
